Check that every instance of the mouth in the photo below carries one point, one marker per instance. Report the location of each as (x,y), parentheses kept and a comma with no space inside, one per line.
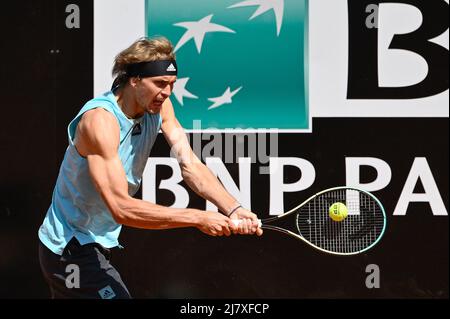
(156,106)
(157,103)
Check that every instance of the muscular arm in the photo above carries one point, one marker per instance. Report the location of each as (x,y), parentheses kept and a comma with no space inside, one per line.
(198,177)
(97,139)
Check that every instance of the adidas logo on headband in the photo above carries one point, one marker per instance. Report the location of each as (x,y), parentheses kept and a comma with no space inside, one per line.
(171,68)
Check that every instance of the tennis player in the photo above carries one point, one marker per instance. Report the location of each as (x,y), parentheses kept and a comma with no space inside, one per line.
(109,144)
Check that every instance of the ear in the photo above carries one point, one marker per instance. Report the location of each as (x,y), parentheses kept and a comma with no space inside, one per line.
(134,81)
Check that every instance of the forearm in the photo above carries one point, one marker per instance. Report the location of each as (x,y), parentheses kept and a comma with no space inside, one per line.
(141,214)
(203,182)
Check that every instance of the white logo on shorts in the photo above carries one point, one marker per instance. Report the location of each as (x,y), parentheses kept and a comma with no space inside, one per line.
(107,293)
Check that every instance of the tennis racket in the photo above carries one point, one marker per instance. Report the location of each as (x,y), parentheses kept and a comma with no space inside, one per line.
(359,231)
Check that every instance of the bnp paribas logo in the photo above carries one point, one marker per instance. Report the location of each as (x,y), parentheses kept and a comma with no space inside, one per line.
(242,64)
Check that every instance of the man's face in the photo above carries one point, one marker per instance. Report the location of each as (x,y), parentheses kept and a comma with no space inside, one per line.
(152,92)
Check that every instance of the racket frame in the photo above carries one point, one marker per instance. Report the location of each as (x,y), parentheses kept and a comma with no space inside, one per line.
(264,222)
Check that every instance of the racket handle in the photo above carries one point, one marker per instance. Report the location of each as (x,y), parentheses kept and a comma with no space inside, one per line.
(237,222)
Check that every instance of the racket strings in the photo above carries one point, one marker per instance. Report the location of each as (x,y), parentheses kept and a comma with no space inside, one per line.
(359,230)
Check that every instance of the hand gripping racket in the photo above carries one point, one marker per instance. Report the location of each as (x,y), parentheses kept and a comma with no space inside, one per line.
(312,221)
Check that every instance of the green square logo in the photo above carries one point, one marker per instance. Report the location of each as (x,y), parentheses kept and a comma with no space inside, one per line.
(242,64)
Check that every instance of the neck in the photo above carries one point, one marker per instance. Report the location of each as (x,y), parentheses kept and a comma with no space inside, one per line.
(128,104)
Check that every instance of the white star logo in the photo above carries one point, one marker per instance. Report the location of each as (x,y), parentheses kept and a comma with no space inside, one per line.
(226,98)
(179,90)
(197,30)
(265,5)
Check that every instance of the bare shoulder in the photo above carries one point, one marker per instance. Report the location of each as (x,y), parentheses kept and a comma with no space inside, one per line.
(97,117)
(97,132)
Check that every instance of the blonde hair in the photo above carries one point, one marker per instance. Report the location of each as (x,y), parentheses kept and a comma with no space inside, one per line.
(143,50)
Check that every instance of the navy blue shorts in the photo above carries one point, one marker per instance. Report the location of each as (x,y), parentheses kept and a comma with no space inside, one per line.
(82,271)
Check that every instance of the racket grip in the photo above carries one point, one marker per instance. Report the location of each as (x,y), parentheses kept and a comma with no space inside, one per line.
(237,222)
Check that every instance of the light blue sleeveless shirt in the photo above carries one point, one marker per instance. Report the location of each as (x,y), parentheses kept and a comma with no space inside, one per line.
(77,209)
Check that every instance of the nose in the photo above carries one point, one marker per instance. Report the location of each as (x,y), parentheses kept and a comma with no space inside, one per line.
(167,91)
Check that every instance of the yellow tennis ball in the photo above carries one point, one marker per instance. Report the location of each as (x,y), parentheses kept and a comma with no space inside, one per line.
(338,212)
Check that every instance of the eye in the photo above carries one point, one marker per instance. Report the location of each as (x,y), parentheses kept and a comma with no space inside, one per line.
(163,84)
